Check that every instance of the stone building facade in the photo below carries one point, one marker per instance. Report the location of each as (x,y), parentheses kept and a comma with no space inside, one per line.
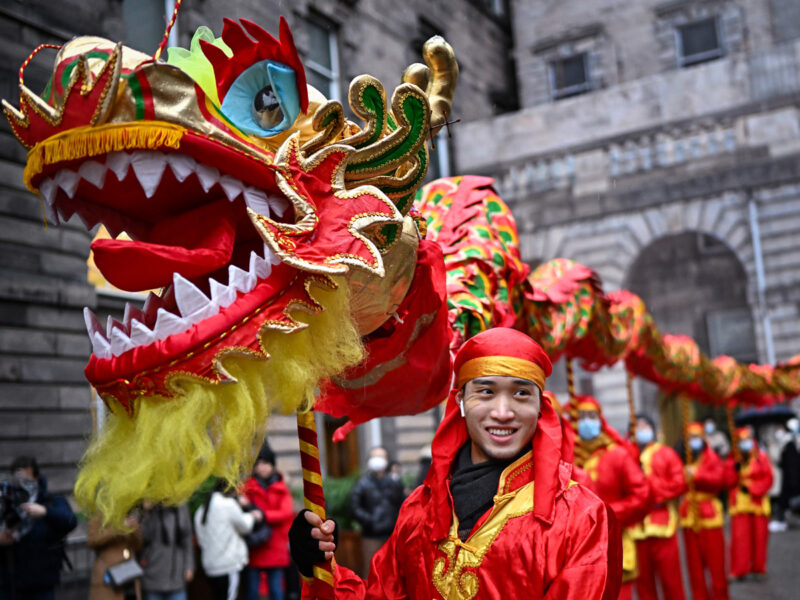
(46,406)
(658,142)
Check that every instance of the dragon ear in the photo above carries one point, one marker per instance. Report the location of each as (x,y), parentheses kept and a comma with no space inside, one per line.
(86,101)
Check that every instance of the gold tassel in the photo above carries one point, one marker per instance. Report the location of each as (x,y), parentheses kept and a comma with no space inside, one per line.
(89,141)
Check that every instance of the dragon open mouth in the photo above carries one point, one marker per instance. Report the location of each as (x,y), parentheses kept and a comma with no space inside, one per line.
(202,253)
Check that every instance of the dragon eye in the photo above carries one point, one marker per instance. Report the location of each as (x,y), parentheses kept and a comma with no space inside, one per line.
(266,108)
(263,100)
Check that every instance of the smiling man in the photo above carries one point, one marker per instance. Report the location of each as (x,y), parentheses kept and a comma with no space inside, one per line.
(498,515)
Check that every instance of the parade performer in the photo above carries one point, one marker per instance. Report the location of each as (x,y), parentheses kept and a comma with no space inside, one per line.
(701,518)
(749,481)
(656,536)
(498,515)
(616,478)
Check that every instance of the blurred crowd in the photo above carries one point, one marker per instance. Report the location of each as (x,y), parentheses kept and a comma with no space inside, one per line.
(235,545)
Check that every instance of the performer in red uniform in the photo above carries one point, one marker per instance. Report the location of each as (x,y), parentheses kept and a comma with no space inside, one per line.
(701,518)
(498,515)
(656,536)
(616,478)
(748,503)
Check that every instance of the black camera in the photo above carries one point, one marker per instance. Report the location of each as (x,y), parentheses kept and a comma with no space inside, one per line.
(12,496)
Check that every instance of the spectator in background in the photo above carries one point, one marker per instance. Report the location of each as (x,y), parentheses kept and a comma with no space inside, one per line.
(32,545)
(375,503)
(425,460)
(789,463)
(717,440)
(111,548)
(167,554)
(268,493)
(220,524)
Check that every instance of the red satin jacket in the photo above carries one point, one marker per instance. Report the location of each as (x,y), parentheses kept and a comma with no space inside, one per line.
(664,471)
(620,483)
(756,475)
(545,537)
(700,508)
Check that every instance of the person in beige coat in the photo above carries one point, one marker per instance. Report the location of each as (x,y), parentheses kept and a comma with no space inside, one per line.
(111,547)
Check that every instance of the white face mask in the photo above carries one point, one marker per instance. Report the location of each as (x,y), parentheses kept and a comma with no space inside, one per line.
(377,464)
(709,428)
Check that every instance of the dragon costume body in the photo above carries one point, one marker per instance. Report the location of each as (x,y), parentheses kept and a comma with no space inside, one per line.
(298,262)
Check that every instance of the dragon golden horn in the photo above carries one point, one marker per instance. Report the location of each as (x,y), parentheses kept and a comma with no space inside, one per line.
(438,79)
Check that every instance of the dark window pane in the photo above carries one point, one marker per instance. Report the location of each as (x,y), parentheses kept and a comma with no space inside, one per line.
(569,76)
(699,41)
(319,45)
(319,81)
(573,71)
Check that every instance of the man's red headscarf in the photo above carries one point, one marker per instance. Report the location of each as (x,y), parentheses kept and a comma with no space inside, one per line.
(501,352)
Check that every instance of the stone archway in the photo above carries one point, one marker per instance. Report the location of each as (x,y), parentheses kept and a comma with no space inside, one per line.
(693,284)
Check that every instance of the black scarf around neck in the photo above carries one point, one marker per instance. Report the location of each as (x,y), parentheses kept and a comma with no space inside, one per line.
(474,486)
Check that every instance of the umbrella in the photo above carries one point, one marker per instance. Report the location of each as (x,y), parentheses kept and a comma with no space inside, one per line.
(778,413)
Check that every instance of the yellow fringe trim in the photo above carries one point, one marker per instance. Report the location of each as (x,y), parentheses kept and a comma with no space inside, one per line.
(172,445)
(84,142)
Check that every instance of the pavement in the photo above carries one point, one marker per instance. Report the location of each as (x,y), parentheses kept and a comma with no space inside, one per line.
(783,571)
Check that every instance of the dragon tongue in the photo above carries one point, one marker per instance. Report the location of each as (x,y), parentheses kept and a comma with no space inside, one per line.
(192,244)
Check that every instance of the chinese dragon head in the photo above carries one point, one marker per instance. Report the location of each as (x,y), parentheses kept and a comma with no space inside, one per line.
(279,234)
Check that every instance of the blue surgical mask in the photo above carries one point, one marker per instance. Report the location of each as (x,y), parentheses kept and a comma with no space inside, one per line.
(588,429)
(709,428)
(746,445)
(644,436)
(696,444)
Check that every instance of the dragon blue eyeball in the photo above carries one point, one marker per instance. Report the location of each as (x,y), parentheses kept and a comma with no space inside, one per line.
(263,100)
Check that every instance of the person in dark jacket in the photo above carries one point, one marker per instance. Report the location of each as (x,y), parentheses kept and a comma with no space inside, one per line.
(167,552)
(32,550)
(375,503)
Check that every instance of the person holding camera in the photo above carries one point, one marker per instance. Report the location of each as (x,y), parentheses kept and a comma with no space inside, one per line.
(32,534)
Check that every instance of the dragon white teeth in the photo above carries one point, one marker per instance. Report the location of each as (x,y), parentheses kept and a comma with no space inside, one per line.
(188,297)
(149,167)
(182,166)
(277,204)
(93,172)
(131,312)
(221,294)
(270,256)
(241,280)
(259,267)
(151,305)
(112,324)
(92,322)
(48,190)
(100,346)
(140,334)
(256,200)
(231,186)
(207,176)
(68,181)
(118,162)
(119,342)
(207,311)
(168,324)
